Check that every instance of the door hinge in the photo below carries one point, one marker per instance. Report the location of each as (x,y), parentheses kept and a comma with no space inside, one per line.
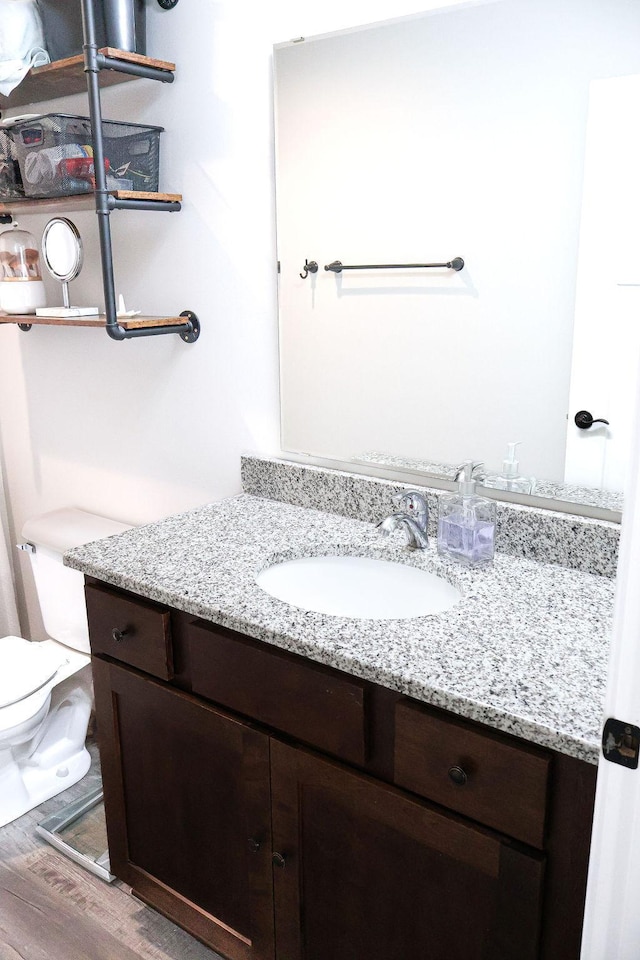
(621,743)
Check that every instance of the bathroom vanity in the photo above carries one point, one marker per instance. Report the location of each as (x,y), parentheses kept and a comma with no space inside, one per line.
(277,807)
(284,784)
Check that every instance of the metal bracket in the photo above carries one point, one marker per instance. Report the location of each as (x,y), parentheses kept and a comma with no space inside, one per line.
(51,827)
(25,326)
(621,743)
(190,336)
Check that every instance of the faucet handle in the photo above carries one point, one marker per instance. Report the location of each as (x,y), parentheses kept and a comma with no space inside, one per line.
(415,505)
(407,496)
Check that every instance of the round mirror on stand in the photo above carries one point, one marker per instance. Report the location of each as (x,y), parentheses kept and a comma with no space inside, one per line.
(63,255)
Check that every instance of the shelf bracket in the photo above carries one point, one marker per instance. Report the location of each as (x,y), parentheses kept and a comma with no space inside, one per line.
(190,336)
(105,62)
(189,331)
(160,206)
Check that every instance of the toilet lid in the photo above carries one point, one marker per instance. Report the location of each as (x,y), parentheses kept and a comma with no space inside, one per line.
(26,667)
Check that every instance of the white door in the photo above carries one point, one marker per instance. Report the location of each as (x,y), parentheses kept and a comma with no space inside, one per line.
(612,919)
(607,317)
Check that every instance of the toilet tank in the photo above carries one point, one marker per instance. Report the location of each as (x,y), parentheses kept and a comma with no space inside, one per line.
(61,589)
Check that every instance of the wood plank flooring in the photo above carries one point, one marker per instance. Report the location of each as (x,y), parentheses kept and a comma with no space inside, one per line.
(53,909)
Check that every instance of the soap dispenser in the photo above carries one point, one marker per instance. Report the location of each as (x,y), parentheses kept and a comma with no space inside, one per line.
(509,479)
(467,522)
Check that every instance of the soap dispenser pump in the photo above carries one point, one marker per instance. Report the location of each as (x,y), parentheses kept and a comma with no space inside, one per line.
(467,522)
(510,479)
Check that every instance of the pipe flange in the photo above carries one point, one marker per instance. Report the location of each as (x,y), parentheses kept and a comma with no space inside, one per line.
(192,335)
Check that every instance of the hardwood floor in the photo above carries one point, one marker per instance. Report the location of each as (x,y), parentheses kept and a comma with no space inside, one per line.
(52,909)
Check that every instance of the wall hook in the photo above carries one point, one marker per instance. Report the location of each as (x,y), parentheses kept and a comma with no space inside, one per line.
(309,267)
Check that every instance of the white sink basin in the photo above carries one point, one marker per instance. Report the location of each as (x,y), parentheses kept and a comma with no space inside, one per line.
(358,587)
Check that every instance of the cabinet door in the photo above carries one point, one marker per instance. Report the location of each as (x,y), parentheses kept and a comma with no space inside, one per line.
(187,803)
(364,870)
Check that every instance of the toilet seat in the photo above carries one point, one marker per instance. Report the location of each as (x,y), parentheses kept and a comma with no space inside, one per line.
(26,668)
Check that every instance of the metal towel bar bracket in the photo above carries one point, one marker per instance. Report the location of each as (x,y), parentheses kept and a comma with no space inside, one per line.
(337,267)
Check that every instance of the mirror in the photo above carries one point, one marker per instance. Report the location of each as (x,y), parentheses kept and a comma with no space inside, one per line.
(63,255)
(62,250)
(471,132)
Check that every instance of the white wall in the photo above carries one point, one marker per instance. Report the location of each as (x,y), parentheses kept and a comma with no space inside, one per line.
(141,429)
(457,134)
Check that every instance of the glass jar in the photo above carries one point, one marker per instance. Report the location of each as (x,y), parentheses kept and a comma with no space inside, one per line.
(21,285)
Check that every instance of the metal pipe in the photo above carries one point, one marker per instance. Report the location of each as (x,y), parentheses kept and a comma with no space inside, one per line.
(92,70)
(106,62)
(118,332)
(337,267)
(161,206)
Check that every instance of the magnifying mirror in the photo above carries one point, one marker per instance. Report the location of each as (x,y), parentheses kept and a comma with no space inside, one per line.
(63,256)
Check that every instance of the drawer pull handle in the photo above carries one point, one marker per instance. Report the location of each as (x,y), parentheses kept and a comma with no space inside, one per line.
(278,860)
(119,635)
(458,775)
(254,845)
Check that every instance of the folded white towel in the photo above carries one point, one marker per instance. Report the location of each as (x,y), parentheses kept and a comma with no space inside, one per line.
(22,44)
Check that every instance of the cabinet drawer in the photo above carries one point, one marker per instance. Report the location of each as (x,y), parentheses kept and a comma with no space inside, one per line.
(137,632)
(306,700)
(502,785)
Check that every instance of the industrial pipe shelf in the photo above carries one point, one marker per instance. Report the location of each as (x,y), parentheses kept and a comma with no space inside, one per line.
(134,199)
(95,69)
(131,323)
(64,77)
(186,325)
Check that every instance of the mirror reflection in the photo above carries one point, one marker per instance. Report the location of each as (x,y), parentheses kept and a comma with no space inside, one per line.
(498,133)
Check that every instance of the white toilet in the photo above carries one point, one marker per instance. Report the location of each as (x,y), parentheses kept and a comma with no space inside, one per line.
(45,687)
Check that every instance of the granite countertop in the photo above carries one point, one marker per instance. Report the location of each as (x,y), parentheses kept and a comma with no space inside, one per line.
(524,651)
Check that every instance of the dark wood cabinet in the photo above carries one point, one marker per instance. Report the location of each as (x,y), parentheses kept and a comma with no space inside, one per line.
(187,799)
(368,871)
(278,809)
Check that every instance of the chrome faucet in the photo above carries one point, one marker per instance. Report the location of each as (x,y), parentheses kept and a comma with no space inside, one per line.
(413,517)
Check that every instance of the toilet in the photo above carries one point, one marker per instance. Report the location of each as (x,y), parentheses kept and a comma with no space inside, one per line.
(46,692)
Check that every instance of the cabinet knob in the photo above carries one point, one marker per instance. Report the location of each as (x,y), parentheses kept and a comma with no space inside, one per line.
(119,635)
(458,775)
(253,844)
(278,860)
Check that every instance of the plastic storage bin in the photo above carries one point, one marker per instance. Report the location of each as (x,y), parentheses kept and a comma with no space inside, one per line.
(10,180)
(55,155)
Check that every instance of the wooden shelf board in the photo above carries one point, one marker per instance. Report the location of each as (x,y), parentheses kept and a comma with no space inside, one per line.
(83,201)
(133,323)
(63,77)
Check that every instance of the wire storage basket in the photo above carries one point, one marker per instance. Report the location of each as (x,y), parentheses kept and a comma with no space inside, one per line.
(55,155)
(10,180)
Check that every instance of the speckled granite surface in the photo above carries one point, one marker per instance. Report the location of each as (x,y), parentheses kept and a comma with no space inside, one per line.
(554,489)
(578,542)
(524,651)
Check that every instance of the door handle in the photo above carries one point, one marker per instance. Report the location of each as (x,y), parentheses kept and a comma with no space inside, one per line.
(584,420)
